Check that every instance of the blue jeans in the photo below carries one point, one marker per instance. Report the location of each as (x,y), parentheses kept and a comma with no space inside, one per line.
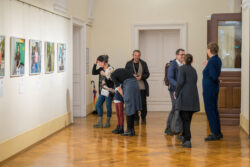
(100,102)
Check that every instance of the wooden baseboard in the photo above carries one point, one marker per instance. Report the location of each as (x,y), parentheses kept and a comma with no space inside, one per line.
(244,123)
(23,141)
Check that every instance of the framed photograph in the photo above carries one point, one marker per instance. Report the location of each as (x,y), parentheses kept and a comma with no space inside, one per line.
(61,57)
(2,56)
(35,57)
(49,56)
(17,57)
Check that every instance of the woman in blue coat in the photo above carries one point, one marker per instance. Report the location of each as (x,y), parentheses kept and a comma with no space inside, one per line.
(211,87)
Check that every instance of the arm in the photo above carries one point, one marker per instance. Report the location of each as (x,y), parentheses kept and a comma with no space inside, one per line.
(146,73)
(180,81)
(213,74)
(96,71)
(119,89)
(171,79)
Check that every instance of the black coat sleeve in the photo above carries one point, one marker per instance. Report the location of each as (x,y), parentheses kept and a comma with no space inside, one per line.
(96,71)
(145,73)
(114,78)
(180,81)
(127,66)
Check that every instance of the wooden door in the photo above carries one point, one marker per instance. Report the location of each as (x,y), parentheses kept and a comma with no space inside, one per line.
(225,29)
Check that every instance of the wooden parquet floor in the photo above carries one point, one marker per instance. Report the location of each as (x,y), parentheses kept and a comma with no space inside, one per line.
(80,145)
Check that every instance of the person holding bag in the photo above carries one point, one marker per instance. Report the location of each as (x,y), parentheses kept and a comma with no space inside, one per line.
(106,91)
(187,97)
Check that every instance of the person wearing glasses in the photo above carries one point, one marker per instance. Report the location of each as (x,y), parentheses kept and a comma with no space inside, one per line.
(172,75)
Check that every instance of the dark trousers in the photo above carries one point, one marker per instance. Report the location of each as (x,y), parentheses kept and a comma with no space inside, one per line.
(186,117)
(144,106)
(170,116)
(130,122)
(211,107)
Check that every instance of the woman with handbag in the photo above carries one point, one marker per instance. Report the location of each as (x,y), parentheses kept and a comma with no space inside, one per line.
(187,97)
(106,89)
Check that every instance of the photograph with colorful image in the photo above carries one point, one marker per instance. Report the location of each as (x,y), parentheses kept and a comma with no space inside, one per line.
(35,56)
(2,56)
(61,57)
(17,56)
(49,57)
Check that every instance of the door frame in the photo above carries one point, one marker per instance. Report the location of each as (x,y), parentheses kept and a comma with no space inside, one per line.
(82,24)
(221,17)
(182,27)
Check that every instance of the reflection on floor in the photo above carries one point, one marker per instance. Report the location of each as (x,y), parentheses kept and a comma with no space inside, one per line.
(82,145)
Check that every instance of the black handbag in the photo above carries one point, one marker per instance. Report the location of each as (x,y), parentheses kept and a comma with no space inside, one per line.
(176,123)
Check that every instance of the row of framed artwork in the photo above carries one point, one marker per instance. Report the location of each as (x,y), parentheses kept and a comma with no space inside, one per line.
(17,57)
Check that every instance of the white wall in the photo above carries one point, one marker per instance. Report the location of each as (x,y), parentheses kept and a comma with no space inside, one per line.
(44,96)
(113,21)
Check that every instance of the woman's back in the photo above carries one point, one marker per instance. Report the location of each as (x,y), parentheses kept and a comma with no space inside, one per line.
(186,90)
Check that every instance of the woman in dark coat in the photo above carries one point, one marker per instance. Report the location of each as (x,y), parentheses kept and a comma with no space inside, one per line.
(187,97)
(211,86)
(131,95)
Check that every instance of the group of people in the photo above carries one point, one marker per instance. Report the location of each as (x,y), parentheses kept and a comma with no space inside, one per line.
(129,86)
(182,78)
(125,86)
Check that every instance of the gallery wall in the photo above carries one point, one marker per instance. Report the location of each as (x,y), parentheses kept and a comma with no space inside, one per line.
(113,21)
(32,100)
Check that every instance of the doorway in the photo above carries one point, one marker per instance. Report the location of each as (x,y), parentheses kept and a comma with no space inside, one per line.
(158,44)
(79,70)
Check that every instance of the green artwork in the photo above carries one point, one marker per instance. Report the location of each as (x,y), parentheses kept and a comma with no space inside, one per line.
(49,57)
(17,56)
(2,56)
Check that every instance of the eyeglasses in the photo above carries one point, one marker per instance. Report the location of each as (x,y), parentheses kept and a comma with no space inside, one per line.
(182,54)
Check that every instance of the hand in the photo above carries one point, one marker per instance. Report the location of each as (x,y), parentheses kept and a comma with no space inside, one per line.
(174,95)
(102,73)
(138,78)
(205,63)
(111,90)
(135,75)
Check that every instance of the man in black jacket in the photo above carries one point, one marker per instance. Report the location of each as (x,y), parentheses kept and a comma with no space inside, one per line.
(140,70)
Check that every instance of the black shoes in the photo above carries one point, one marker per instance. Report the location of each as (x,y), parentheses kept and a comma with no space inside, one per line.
(168,132)
(187,144)
(129,133)
(221,135)
(143,121)
(136,122)
(214,137)
(180,138)
(118,130)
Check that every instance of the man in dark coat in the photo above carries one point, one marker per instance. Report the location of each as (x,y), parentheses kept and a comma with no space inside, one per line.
(172,76)
(140,70)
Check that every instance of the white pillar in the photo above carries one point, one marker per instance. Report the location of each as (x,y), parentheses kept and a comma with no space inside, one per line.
(244,117)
